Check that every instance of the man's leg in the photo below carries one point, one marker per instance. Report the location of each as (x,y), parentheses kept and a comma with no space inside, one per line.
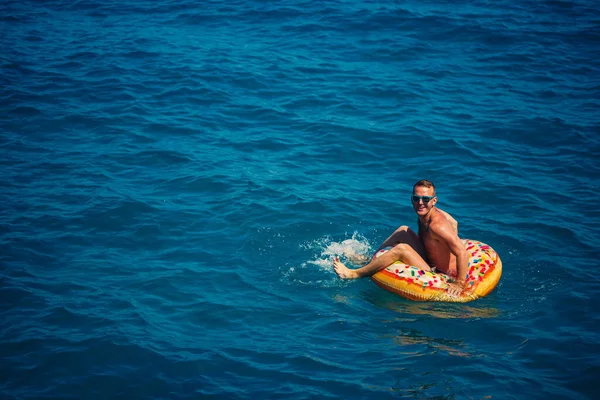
(402,235)
(404,252)
(405,235)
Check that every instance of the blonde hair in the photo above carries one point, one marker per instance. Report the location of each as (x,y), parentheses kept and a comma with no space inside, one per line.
(425,183)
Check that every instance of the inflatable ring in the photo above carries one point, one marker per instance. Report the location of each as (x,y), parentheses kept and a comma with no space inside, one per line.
(485,270)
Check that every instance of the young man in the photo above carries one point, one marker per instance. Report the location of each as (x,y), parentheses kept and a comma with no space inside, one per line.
(437,246)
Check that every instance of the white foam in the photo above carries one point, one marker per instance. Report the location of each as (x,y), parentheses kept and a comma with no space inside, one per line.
(354,251)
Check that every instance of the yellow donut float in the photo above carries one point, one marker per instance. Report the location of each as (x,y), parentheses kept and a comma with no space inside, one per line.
(485,270)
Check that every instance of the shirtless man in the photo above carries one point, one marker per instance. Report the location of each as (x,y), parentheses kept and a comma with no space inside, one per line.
(436,246)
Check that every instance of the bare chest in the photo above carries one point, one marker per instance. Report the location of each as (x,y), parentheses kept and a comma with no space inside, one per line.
(438,253)
(429,240)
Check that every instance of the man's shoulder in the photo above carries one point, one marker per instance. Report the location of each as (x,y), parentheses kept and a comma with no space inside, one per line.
(439,221)
(439,215)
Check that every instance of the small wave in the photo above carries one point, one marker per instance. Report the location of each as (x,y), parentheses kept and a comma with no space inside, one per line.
(25,111)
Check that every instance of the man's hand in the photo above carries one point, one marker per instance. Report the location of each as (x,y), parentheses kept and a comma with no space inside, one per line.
(456,288)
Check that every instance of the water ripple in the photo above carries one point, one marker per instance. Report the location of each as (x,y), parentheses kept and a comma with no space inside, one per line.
(178,176)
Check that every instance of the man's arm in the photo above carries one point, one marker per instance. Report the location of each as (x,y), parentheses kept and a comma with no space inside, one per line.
(446,233)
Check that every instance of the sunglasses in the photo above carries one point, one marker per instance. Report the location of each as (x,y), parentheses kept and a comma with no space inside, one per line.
(416,199)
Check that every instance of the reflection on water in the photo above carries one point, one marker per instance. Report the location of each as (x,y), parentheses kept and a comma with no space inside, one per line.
(433,360)
(409,308)
(419,391)
(432,364)
(410,337)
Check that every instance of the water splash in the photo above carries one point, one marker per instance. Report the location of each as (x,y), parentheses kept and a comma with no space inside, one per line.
(354,251)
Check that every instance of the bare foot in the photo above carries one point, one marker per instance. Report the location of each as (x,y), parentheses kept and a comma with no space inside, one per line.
(342,271)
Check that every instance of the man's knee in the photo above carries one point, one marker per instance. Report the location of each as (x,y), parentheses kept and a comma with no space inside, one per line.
(401,249)
(403,230)
(405,234)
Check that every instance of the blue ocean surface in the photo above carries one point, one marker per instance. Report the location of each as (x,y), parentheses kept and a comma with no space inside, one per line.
(177,177)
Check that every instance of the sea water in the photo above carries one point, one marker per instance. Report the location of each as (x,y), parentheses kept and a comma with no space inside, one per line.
(177,177)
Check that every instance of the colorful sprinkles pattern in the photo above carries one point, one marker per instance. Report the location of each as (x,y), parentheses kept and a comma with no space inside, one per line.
(482,259)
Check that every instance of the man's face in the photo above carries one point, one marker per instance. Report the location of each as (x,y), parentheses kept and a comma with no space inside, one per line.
(421,207)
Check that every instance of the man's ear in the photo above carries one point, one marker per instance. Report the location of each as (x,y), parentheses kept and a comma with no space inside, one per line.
(434,200)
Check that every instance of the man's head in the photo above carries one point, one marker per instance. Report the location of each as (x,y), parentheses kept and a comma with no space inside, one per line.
(423,197)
